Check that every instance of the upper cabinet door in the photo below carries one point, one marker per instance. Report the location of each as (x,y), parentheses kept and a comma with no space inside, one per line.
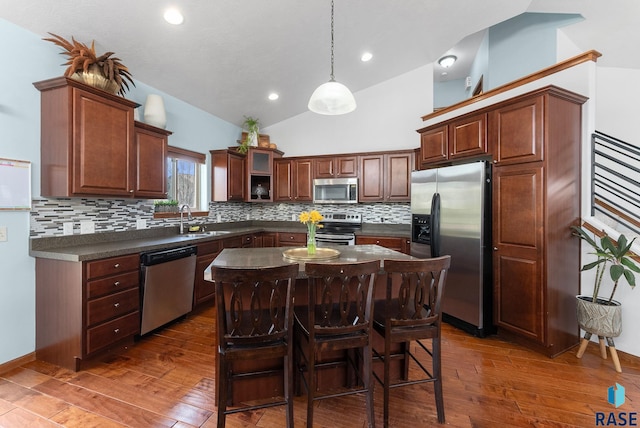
(336,166)
(303,180)
(517,131)
(102,146)
(151,152)
(434,145)
(468,137)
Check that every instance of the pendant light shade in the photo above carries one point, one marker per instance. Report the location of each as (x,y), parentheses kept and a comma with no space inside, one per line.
(332,98)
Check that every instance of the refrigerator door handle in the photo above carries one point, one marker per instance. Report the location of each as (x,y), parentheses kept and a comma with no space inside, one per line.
(435,225)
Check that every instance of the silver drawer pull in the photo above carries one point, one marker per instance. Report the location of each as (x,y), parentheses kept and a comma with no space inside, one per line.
(116,305)
(116,331)
(117,283)
(116,266)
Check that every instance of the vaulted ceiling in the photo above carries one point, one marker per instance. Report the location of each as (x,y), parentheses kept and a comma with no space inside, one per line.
(228,55)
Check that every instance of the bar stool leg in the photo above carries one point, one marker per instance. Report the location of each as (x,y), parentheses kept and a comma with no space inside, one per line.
(614,354)
(583,344)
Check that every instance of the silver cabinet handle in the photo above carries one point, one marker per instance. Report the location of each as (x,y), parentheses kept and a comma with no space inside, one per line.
(116,266)
(116,331)
(116,305)
(116,284)
(495,248)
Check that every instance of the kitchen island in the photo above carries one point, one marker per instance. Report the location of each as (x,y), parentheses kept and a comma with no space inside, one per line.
(258,258)
(248,258)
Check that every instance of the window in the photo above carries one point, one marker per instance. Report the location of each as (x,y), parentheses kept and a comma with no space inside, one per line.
(185,175)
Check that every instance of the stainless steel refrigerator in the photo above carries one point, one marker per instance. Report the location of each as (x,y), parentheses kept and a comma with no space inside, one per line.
(451,215)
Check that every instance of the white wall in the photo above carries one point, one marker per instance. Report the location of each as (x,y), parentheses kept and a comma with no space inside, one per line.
(618,108)
(387,117)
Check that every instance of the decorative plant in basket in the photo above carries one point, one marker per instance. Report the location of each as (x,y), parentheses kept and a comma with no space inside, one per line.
(602,316)
(105,71)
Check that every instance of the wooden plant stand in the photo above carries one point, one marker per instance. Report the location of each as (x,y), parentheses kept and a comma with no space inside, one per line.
(603,349)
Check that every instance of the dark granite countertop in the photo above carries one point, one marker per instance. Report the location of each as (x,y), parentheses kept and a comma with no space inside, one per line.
(266,257)
(111,244)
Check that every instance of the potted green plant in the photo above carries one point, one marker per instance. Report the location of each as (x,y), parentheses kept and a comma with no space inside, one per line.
(252,126)
(598,315)
(104,72)
(165,206)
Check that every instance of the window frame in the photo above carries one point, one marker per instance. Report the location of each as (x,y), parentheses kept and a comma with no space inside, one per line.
(199,159)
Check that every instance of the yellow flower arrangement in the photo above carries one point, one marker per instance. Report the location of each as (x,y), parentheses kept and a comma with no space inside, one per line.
(311,219)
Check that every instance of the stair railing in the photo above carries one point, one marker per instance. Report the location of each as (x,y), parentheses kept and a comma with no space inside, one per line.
(615,181)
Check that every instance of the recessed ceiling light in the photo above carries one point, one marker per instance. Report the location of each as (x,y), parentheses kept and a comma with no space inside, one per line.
(447,61)
(273,96)
(173,16)
(366,56)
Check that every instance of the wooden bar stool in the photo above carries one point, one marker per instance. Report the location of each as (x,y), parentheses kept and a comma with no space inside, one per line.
(255,321)
(410,312)
(337,318)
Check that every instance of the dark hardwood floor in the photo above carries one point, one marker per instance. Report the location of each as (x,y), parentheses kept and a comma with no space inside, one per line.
(166,380)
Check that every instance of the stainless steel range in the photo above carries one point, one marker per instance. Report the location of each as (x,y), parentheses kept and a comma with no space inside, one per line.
(338,229)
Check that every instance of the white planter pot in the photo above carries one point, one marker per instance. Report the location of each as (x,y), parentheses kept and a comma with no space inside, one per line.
(599,318)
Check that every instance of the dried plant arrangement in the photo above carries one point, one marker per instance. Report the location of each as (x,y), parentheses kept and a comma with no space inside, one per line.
(83,61)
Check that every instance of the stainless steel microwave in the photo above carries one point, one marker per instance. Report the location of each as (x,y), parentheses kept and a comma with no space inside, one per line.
(335,190)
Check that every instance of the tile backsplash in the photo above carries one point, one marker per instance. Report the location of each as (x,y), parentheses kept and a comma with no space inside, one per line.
(49,216)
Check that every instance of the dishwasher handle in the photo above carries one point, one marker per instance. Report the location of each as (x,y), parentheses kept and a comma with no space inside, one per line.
(156,257)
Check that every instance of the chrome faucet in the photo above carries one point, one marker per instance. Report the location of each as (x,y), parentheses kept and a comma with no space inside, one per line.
(189,217)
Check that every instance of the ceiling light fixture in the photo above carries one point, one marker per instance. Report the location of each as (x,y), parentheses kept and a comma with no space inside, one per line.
(332,98)
(366,57)
(173,16)
(273,96)
(447,61)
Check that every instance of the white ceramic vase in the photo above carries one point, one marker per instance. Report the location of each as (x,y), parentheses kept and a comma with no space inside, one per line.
(154,112)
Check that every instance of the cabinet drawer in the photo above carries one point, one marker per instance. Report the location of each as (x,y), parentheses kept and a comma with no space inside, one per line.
(112,284)
(292,238)
(111,306)
(211,247)
(104,335)
(112,266)
(393,243)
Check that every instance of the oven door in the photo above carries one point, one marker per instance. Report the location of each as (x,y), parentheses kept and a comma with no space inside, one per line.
(328,239)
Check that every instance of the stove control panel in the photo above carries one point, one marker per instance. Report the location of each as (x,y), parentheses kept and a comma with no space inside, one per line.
(342,218)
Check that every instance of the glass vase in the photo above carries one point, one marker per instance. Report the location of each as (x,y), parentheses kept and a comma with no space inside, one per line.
(311,240)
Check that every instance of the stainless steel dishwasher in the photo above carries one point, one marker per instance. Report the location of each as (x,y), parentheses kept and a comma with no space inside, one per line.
(167,279)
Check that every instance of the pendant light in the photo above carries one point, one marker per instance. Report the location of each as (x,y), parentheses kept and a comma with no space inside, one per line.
(332,98)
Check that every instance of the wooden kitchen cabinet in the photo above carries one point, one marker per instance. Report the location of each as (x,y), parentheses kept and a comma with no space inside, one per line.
(269,239)
(204,291)
(293,180)
(151,146)
(391,242)
(536,198)
(260,174)
(84,309)
(228,175)
(459,138)
(345,166)
(87,142)
(386,177)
